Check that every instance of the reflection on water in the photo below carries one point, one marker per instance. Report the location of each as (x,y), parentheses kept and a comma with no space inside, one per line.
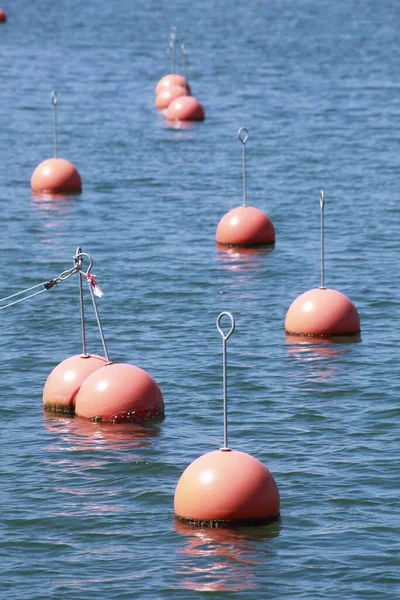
(320,356)
(242,259)
(53,200)
(223,559)
(75,433)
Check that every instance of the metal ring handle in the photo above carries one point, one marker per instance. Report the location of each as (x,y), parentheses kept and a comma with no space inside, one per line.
(54,97)
(243,135)
(232,329)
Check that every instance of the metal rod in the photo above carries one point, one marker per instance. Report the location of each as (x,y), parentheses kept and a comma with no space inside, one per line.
(78,264)
(172,45)
(243,136)
(322,205)
(183,50)
(54,100)
(96,312)
(225,337)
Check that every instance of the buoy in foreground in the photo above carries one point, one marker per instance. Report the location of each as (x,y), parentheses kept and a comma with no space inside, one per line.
(56,174)
(226,487)
(3,16)
(65,380)
(245,226)
(165,97)
(185,108)
(118,393)
(322,311)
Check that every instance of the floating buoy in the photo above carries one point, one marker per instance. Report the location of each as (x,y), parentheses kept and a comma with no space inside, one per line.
(3,16)
(165,96)
(65,380)
(171,80)
(185,108)
(56,174)
(245,225)
(118,393)
(226,487)
(322,311)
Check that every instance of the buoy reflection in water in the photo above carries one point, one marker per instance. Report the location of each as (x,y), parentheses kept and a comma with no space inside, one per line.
(223,559)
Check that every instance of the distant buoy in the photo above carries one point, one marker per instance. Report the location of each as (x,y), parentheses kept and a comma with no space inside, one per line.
(322,312)
(3,16)
(165,96)
(185,108)
(65,380)
(245,225)
(170,80)
(56,175)
(119,392)
(226,486)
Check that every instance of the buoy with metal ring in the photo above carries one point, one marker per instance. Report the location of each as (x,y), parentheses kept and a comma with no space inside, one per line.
(226,487)
(56,174)
(173,78)
(322,312)
(3,16)
(65,380)
(245,226)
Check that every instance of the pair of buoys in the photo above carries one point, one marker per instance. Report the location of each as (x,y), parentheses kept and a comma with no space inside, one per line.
(89,386)
(173,95)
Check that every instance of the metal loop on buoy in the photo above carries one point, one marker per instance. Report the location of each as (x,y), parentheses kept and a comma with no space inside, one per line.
(232,329)
(225,337)
(54,100)
(243,135)
(54,97)
(322,206)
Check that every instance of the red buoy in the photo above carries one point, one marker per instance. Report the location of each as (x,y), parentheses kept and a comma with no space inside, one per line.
(56,175)
(165,96)
(172,79)
(226,486)
(3,16)
(245,225)
(119,392)
(185,108)
(65,380)
(322,312)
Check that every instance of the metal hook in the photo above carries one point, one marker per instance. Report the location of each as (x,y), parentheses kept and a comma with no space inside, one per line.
(79,256)
(225,337)
(243,136)
(322,206)
(78,263)
(54,100)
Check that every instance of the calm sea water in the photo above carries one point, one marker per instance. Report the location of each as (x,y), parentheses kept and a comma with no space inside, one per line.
(87,509)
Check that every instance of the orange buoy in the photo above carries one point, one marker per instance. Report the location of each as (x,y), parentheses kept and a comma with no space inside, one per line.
(165,96)
(170,80)
(226,486)
(245,225)
(119,392)
(65,380)
(3,16)
(56,175)
(322,312)
(185,108)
